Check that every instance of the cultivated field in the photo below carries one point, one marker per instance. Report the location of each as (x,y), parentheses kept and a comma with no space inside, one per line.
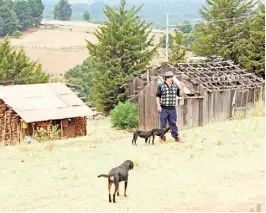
(59,50)
(220,167)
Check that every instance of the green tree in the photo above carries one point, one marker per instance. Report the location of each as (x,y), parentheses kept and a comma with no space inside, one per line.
(1,26)
(81,76)
(17,68)
(86,16)
(62,11)
(121,52)
(17,33)
(162,42)
(9,20)
(253,47)
(37,9)
(186,27)
(188,39)
(223,21)
(177,53)
(23,12)
(8,3)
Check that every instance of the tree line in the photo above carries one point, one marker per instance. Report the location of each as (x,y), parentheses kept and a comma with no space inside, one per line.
(23,14)
(63,11)
(232,29)
(19,15)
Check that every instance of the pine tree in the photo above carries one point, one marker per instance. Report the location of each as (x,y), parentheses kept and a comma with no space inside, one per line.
(177,53)
(223,20)
(62,11)
(253,48)
(81,75)
(23,12)
(1,26)
(9,20)
(162,42)
(186,27)
(122,51)
(17,68)
(37,8)
(86,16)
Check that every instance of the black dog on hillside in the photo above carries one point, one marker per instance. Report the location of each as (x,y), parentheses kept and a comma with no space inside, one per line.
(147,135)
(161,133)
(117,175)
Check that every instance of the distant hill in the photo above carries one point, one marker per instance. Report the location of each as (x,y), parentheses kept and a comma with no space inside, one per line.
(153,10)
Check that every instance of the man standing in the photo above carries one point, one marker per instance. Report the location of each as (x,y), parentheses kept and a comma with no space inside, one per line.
(166,104)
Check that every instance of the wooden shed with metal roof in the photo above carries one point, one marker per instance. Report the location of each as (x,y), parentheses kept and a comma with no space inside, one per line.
(25,108)
(210,92)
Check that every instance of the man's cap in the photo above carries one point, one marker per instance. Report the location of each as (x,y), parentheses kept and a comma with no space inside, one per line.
(169,74)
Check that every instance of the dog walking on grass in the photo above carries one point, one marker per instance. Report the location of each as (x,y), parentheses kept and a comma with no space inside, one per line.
(117,175)
(147,135)
(161,133)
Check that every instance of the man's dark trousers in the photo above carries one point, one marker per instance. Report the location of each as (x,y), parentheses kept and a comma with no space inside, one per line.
(170,115)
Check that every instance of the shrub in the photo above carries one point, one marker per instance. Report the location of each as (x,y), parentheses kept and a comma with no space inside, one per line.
(17,33)
(124,115)
(51,133)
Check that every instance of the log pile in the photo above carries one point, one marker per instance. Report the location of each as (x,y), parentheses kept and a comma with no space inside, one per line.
(80,126)
(15,128)
(9,125)
(3,108)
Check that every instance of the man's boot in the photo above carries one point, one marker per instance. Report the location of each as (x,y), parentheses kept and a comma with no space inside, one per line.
(178,139)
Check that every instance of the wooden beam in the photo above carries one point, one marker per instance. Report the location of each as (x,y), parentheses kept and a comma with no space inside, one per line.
(61,127)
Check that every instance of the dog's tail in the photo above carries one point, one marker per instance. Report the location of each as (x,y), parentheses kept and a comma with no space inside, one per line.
(103,175)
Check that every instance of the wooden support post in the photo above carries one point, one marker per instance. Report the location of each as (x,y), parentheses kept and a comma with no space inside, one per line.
(251,209)
(258,207)
(200,112)
(61,125)
(241,99)
(4,129)
(33,130)
(10,127)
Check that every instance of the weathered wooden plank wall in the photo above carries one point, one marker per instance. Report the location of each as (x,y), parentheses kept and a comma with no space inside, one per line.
(188,110)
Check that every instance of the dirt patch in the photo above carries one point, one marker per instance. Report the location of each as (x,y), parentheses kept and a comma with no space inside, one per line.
(59,50)
(220,167)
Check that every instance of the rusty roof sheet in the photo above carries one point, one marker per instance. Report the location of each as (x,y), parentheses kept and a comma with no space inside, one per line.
(40,102)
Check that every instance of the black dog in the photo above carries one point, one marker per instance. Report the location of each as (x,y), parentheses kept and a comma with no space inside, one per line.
(147,135)
(160,132)
(117,175)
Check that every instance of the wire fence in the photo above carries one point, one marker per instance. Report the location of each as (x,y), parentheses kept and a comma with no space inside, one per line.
(73,48)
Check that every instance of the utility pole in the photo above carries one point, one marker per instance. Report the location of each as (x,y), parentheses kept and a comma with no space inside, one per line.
(167,38)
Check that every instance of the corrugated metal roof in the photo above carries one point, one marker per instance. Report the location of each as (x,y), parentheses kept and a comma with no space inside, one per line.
(40,102)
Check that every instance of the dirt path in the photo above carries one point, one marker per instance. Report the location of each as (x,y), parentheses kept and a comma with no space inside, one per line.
(219,168)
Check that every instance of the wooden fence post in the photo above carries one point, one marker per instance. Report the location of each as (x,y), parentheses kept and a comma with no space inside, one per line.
(258,207)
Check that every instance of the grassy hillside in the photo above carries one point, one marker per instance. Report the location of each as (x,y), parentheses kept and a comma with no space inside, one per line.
(220,167)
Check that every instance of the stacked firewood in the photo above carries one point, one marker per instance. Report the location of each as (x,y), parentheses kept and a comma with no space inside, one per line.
(2,117)
(80,126)
(15,128)
(9,125)
(8,136)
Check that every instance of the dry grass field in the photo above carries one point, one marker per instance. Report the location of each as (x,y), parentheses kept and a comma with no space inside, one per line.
(51,46)
(220,167)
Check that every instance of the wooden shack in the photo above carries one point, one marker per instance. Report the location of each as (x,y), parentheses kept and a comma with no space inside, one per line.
(25,108)
(210,92)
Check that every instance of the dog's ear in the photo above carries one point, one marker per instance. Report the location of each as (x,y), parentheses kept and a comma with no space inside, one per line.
(130,164)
